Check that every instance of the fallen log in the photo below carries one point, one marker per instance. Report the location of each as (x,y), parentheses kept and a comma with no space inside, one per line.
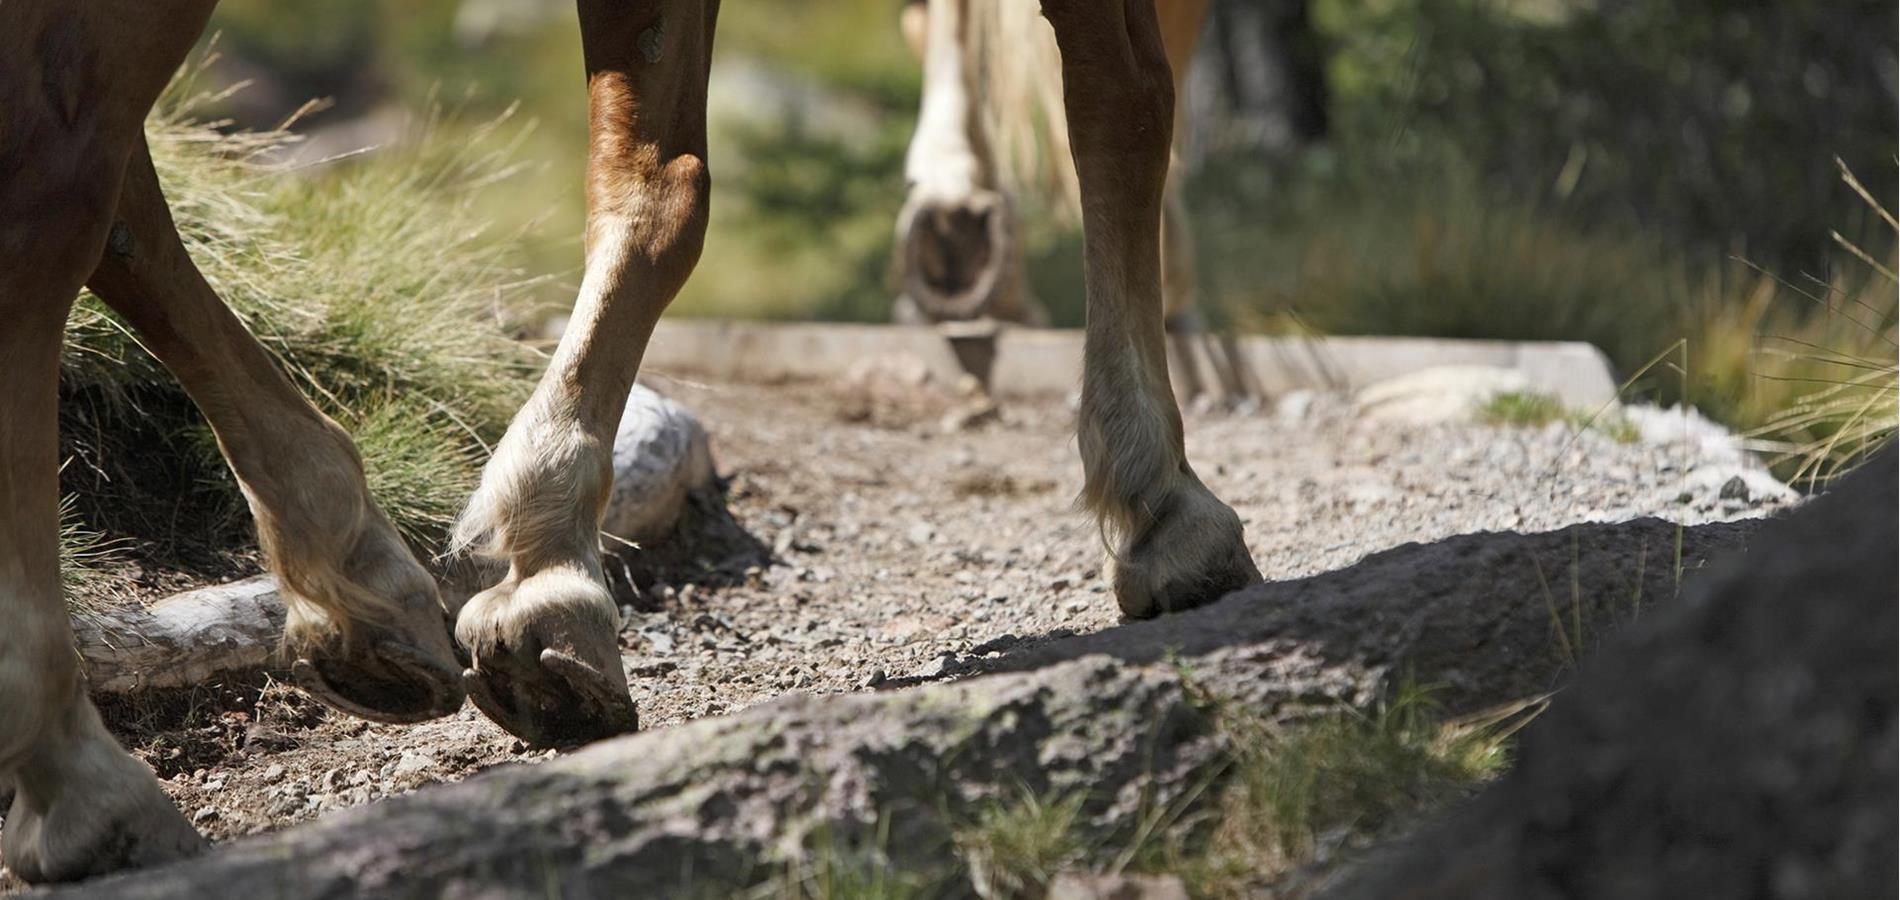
(1480,619)
(1120,719)
(184,639)
(661,456)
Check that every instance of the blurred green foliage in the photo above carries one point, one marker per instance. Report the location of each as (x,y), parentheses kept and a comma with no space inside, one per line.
(1520,169)
(1711,123)
(1616,171)
(801,217)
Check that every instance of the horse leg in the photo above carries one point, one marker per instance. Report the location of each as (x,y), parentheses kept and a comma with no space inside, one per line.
(75,84)
(546,660)
(1180,22)
(366,626)
(1176,544)
(957,242)
(1197,365)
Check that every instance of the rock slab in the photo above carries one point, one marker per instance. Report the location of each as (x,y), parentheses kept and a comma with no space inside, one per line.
(1118,717)
(1740,744)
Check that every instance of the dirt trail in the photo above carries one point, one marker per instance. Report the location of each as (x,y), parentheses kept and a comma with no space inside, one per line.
(877,545)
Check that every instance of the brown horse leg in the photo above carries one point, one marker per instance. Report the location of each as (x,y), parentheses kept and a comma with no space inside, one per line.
(1180,22)
(958,247)
(75,83)
(366,624)
(1198,368)
(1177,545)
(546,658)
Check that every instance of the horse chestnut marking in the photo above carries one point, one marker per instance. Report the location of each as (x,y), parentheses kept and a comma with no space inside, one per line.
(649,41)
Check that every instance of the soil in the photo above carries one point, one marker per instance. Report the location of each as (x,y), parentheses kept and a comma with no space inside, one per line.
(873,532)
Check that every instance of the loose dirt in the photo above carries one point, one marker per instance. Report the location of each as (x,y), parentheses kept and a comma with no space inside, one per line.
(875,534)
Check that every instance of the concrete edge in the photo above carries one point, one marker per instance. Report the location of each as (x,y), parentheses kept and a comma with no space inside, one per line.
(1033,362)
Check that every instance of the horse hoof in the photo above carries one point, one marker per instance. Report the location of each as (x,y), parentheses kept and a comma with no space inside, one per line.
(545,661)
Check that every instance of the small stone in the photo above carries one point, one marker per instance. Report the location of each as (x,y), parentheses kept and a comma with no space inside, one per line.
(1735,488)
(204,814)
(1076,886)
(273,773)
(969,415)
(936,668)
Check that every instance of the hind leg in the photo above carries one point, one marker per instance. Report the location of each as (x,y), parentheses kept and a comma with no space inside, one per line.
(366,625)
(1176,544)
(546,658)
(81,805)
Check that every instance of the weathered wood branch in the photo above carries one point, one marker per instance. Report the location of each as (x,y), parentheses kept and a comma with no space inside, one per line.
(661,455)
(184,639)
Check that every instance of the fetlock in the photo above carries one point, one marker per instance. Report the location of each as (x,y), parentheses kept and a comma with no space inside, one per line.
(82,807)
(1188,551)
(394,663)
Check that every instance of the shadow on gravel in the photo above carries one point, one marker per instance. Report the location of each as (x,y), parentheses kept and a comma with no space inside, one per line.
(708,549)
(1480,618)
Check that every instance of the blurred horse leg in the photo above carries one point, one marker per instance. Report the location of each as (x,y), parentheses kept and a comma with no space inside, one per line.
(1198,364)
(1180,22)
(544,641)
(365,620)
(958,253)
(75,83)
(1176,544)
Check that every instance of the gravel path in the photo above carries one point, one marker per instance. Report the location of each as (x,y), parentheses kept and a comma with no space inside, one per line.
(884,543)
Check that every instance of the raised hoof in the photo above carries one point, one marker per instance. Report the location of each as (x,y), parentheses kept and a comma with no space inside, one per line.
(1194,553)
(381,679)
(108,815)
(546,665)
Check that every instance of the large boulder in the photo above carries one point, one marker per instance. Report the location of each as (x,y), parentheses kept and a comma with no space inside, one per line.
(1740,744)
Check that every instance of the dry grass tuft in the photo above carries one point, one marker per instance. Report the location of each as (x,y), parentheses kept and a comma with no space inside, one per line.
(373,281)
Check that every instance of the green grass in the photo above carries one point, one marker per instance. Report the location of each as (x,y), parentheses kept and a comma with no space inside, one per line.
(1339,779)
(834,869)
(1522,409)
(376,285)
(85,562)
(1286,794)
(1836,373)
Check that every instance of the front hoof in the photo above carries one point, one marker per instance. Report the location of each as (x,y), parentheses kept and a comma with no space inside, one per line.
(107,814)
(546,664)
(1192,554)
